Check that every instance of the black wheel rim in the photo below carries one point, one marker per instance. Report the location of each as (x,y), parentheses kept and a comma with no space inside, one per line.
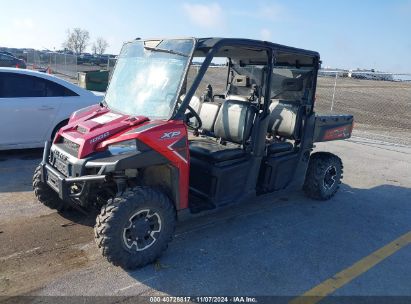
(142,230)
(330,177)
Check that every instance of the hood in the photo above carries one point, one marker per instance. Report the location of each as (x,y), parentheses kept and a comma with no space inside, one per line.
(95,124)
(85,112)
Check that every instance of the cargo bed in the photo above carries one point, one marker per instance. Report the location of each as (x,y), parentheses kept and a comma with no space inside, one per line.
(333,127)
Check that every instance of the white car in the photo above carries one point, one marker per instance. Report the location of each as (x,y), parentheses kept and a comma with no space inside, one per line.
(34,105)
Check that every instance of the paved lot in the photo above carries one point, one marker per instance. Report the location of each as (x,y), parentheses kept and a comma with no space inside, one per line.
(283,246)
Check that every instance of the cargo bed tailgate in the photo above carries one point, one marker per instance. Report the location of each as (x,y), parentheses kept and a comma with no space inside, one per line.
(333,127)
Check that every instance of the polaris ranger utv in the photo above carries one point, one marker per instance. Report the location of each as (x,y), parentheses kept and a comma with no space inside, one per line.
(156,148)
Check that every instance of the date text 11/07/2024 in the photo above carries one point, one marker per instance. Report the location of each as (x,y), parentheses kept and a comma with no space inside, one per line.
(199,299)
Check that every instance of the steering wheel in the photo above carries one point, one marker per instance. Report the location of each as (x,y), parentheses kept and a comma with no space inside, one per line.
(190,113)
(193,113)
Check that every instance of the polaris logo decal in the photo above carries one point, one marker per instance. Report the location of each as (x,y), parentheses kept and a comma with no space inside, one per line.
(100,137)
(170,135)
(338,133)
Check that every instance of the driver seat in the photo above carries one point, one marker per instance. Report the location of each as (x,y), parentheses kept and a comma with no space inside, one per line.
(233,126)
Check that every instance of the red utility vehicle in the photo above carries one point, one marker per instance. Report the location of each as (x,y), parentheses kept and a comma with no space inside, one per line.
(156,148)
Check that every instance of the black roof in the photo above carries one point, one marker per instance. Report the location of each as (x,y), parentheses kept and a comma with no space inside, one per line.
(216,41)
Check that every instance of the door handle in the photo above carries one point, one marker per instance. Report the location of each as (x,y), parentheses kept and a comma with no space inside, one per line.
(46,108)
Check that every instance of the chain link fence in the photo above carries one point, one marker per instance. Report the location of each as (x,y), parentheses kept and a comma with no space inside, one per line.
(65,64)
(380,102)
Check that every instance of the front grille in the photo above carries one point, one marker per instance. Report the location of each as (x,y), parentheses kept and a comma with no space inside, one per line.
(70,147)
(60,162)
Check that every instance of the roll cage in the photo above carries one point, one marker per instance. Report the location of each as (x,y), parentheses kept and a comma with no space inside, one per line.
(210,47)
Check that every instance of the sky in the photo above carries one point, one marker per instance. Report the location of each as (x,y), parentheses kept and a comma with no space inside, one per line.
(348,34)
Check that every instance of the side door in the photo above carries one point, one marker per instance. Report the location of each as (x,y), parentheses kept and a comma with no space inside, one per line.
(27,109)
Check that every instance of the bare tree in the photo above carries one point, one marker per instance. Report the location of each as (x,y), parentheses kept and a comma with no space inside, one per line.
(100,46)
(77,40)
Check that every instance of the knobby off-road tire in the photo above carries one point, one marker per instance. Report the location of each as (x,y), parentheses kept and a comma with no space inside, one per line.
(324,175)
(45,194)
(134,228)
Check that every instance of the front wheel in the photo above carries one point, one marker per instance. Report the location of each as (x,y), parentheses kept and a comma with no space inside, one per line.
(134,228)
(324,175)
(45,194)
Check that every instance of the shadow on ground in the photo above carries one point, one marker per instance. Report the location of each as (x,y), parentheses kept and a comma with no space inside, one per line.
(24,154)
(282,248)
(77,217)
(16,169)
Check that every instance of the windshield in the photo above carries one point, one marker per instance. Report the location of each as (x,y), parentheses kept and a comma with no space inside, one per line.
(147,77)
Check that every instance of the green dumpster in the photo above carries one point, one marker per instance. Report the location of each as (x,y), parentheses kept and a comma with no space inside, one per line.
(93,80)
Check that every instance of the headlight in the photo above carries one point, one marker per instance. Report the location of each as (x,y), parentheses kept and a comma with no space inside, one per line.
(123,147)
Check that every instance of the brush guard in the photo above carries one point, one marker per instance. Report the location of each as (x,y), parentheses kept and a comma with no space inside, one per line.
(62,184)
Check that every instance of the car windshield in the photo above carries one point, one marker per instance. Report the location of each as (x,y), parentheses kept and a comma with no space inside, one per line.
(147,77)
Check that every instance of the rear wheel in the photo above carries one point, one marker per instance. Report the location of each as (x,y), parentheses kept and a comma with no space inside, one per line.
(134,229)
(45,194)
(323,176)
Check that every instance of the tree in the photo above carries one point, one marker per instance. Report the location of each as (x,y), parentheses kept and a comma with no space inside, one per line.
(77,40)
(100,46)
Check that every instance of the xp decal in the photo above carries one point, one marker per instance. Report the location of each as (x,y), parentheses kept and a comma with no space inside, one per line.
(170,135)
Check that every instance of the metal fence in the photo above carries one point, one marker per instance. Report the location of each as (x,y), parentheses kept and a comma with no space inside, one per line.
(380,102)
(65,64)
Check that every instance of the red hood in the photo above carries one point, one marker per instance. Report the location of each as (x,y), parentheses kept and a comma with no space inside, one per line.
(85,112)
(91,125)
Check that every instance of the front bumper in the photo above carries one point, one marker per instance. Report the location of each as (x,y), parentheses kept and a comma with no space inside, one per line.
(61,183)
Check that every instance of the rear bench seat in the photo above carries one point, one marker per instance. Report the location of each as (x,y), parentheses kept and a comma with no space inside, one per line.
(283,123)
